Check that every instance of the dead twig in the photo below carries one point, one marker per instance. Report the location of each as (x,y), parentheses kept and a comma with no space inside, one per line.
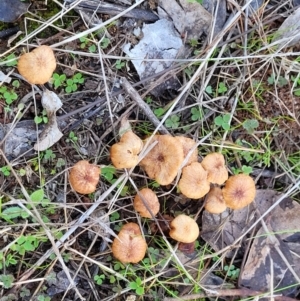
(114,9)
(134,95)
(243,292)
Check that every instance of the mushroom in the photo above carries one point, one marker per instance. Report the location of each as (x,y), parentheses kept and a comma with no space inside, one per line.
(214,201)
(38,65)
(163,160)
(214,164)
(84,177)
(148,197)
(188,144)
(184,229)
(124,154)
(239,191)
(193,183)
(129,246)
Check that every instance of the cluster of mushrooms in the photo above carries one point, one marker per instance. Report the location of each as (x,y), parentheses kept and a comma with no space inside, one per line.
(167,157)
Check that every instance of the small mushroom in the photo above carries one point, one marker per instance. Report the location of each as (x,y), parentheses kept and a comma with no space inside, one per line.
(129,246)
(188,144)
(239,191)
(193,183)
(124,154)
(38,65)
(84,177)
(214,201)
(164,159)
(214,164)
(184,229)
(148,197)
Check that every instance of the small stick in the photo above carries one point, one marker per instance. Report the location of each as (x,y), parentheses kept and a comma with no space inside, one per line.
(242,292)
(134,95)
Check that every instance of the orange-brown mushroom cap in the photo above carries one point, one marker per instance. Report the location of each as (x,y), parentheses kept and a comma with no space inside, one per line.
(148,196)
(124,154)
(214,164)
(239,191)
(193,183)
(188,144)
(184,229)
(84,177)
(129,246)
(38,65)
(164,159)
(214,201)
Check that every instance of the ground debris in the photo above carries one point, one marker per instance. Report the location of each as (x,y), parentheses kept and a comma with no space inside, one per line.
(287,34)
(51,133)
(60,283)
(160,44)
(188,18)
(265,251)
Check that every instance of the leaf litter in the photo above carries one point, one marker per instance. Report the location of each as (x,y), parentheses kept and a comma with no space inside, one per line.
(273,251)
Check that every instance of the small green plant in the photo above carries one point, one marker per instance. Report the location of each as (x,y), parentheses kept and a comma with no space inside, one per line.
(159,112)
(60,162)
(85,42)
(58,80)
(250,125)
(24,292)
(72,137)
(8,95)
(104,43)
(280,81)
(36,197)
(222,88)
(42,297)
(153,255)
(209,90)
(72,83)
(148,100)
(12,60)
(196,114)
(22,172)
(7,280)
(99,279)
(108,172)
(245,170)
(114,216)
(296,81)
(119,64)
(48,155)
(92,48)
(42,118)
(193,42)
(8,260)
(27,243)
(232,271)
(5,170)
(137,286)
(172,122)
(223,121)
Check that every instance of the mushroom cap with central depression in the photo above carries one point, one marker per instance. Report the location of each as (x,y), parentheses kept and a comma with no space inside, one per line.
(163,160)
(38,65)
(129,246)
